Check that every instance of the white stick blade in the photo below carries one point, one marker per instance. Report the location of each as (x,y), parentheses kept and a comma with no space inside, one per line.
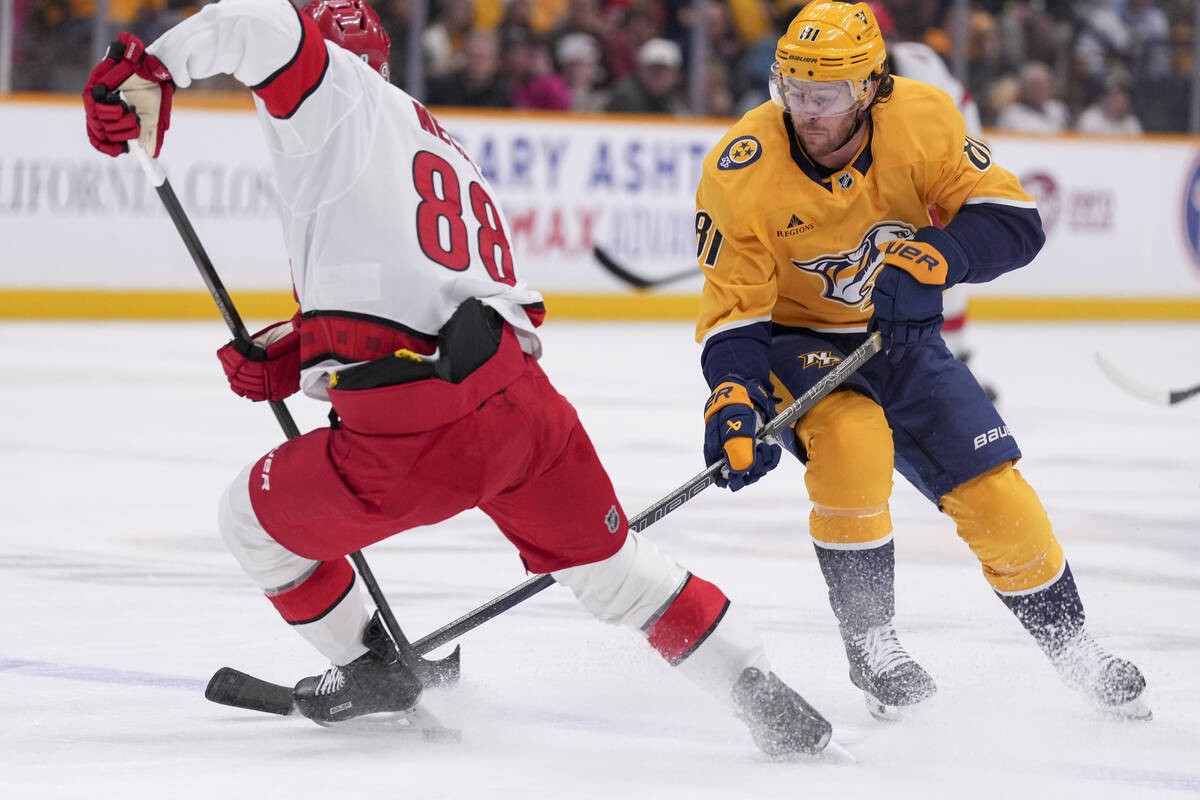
(1160,397)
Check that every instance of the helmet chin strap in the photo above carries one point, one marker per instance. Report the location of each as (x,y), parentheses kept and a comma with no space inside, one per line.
(858,123)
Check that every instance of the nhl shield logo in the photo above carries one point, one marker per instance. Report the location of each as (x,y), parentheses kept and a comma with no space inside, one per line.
(741,152)
(612,519)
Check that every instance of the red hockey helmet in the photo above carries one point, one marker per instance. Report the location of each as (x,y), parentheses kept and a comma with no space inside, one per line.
(354,25)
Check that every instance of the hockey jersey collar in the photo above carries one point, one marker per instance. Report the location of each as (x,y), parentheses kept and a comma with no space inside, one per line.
(823,176)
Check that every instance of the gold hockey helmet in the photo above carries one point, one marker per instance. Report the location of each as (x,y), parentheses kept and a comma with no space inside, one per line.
(829,41)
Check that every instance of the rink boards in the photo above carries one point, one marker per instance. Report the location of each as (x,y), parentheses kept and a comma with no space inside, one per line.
(85,236)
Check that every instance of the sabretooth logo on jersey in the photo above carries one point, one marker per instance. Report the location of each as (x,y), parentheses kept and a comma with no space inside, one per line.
(992,435)
(849,275)
(266,470)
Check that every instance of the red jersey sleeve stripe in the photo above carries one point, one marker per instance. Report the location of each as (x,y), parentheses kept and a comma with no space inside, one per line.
(348,337)
(317,595)
(536,313)
(688,621)
(286,88)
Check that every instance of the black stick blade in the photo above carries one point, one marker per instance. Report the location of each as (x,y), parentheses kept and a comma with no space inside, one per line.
(440,672)
(611,266)
(229,687)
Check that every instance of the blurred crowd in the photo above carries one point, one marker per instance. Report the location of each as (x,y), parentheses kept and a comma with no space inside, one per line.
(1097,66)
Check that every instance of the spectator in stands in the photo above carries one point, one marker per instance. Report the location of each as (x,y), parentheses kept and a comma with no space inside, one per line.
(987,61)
(718,91)
(584,16)
(579,62)
(478,82)
(445,38)
(395,16)
(1134,32)
(1112,113)
(532,81)
(654,88)
(53,48)
(1036,110)
(633,28)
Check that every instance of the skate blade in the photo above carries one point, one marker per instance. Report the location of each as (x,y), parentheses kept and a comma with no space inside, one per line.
(883,712)
(1133,709)
(836,753)
(417,722)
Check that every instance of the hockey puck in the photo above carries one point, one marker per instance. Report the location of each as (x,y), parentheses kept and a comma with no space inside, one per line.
(442,735)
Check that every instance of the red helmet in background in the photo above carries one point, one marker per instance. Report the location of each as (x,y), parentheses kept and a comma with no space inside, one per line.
(883,18)
(354,25)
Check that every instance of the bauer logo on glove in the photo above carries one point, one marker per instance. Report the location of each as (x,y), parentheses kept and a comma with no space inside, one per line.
(919,259)
(732,417)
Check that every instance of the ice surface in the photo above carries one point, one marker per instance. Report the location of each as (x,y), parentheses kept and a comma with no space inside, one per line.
(120,601)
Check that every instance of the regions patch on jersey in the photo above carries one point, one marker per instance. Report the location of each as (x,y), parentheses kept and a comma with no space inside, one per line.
(741,152)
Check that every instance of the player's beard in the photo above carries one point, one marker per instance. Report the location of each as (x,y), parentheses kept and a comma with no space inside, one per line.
(822,136)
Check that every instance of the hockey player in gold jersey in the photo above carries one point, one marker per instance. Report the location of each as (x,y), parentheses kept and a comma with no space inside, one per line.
(813,227)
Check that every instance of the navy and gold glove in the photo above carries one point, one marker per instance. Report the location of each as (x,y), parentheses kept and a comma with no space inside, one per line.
(732,415)
(908,296)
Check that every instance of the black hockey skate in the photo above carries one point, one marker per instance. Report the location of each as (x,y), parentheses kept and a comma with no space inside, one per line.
(888,676)
(1114,684)
(375,682)
(780,721)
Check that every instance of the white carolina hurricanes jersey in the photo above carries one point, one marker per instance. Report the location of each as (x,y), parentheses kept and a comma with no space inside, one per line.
(388,224)
(920,63)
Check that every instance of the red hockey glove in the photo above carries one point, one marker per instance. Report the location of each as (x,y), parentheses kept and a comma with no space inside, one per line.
(268,368)
(144,112)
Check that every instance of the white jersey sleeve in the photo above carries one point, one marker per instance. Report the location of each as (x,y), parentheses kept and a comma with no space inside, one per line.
(388,223)
(920,63)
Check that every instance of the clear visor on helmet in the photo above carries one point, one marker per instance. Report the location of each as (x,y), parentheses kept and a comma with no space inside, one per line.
(806,98)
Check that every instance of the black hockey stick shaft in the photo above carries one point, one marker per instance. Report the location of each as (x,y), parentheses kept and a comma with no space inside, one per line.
(1179,395)
(234,688)
(1152,394)
(615,269)
(698,483)
(443,671)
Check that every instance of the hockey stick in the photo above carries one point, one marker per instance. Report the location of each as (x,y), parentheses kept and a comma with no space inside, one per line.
(445,670)
(696,484)
(636,281)
(1162,397)
(233,688)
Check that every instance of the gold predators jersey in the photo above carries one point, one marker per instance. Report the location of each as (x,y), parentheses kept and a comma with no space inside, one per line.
(785,240)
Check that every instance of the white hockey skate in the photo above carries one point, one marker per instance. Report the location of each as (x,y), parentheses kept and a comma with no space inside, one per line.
(887,675)
(781,722)
(1113,684)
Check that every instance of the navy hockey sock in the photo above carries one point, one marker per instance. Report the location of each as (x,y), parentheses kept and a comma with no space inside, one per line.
(861,585)
(1052,615)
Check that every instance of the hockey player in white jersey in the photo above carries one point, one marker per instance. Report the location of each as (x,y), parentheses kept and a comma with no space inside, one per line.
(919,62)
(414,325)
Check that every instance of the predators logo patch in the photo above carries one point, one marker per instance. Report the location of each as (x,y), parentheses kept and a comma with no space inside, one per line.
(741,152)
(819,358)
